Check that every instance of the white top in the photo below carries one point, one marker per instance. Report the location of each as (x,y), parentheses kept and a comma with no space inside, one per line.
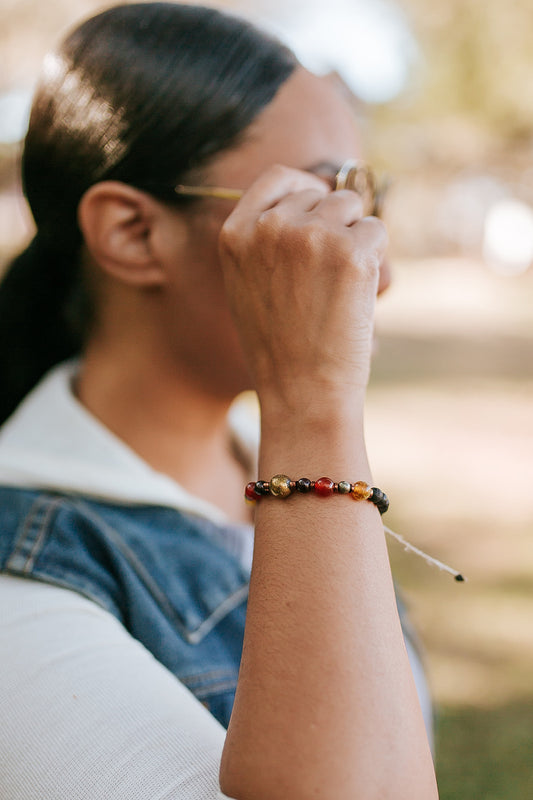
(86,711)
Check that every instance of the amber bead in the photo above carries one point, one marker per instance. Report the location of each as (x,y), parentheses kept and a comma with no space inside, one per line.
(324,487)
(361,491)
(280,486)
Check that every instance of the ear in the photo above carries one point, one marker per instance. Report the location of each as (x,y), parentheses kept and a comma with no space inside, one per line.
(118,223)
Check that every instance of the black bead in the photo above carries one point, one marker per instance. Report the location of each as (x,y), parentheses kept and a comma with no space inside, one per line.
(380,500)
(262,487)
(303,485)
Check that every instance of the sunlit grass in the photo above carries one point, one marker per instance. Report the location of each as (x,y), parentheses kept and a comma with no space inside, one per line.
(485,755)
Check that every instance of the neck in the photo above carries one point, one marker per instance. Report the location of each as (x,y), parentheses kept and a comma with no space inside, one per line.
(177,427)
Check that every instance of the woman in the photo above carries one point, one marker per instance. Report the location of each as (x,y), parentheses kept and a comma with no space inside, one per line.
(124,541)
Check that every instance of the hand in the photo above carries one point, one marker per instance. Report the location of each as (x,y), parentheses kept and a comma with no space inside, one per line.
(301,267)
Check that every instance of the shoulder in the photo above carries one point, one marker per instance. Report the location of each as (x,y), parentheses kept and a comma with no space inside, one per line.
(56,539)
(85,702)
(106,551)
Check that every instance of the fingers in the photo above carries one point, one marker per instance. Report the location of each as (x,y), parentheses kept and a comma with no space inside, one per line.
(297,202)
(298,257)
(289,212)
(275,184)
(292,192)
(342,208)
(369,239)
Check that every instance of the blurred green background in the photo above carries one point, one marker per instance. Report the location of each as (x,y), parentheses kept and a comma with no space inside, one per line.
(449,421)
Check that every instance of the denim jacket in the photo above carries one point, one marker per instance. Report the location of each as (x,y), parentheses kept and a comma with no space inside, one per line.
(81,511)
(167,576)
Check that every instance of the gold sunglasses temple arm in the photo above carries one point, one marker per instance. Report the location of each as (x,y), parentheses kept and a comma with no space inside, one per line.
(209,191)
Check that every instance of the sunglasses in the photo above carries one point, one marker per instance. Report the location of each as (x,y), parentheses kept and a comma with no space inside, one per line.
(354,175)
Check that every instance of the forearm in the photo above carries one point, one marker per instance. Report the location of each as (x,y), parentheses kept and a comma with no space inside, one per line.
(326,705)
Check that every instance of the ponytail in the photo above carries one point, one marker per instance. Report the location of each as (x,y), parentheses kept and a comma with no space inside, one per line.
(36,333)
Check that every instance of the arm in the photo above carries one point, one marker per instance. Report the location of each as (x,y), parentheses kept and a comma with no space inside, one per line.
(325,706)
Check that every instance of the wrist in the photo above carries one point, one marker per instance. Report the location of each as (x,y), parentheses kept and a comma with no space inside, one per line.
(312,407)
(314,443)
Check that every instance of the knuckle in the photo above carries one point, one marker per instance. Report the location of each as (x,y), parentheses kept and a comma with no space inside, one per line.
(371,233)
(377,228)
(313,233)
(270,222)
(279,171)
(310,238)
(230,238)
(299,238)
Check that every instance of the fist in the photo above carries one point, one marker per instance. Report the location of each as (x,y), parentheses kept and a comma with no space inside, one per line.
(301,268)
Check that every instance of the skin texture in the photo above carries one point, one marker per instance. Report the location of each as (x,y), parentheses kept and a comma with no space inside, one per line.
(276,292)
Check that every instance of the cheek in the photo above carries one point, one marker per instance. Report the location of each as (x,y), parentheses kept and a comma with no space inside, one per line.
(202,241)
(202,284)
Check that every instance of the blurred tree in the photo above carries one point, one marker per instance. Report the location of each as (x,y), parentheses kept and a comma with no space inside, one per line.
(479,60)
(478,56)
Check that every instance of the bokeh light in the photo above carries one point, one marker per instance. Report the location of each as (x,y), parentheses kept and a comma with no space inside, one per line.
(14,115)
(369,45)
(508,237)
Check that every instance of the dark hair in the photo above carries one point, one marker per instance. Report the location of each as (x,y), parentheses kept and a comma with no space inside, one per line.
(142,94)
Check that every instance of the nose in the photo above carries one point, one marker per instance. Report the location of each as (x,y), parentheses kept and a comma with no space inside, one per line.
(385,276)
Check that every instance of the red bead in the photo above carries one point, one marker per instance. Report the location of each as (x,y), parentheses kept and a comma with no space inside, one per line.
(250,492)
(324,487)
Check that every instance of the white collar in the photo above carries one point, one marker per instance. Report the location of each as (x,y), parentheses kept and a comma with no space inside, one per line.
(52,442)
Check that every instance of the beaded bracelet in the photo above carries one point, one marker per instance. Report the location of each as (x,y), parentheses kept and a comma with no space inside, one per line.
(282,486)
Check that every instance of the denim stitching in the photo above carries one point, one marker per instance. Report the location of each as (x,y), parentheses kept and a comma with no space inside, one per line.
(227,605)
(213,674)
(211,683)
(29,543)
(210,692)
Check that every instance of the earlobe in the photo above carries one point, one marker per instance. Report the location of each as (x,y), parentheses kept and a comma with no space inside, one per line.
(117,223)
